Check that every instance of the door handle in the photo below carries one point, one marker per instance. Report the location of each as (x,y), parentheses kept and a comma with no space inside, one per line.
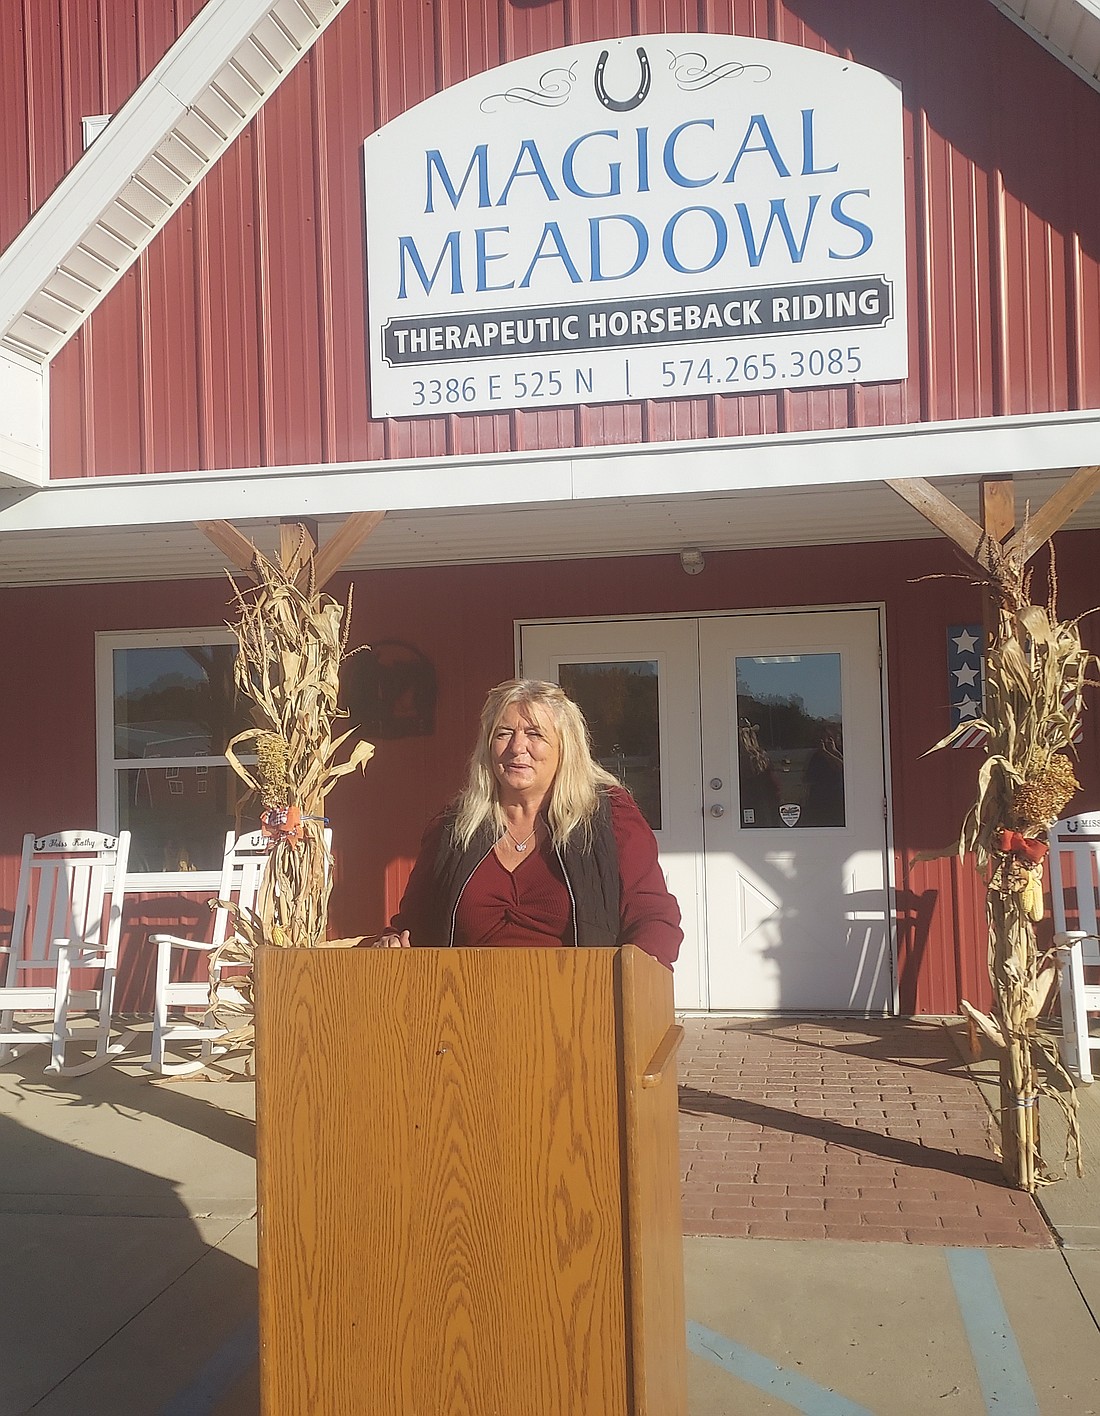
(718,809)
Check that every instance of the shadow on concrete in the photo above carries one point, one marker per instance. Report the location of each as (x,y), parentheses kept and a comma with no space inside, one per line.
(135,1096)
(112,1296)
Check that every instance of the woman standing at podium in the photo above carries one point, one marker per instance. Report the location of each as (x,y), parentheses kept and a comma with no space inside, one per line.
(541,848)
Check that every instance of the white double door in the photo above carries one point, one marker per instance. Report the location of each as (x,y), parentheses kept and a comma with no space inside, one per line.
(754,744)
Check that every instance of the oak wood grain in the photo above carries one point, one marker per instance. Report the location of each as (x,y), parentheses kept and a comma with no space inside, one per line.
(441,1153)
(655,1246)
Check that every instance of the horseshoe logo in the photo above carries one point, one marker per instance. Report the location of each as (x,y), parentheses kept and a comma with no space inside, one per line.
(622,105)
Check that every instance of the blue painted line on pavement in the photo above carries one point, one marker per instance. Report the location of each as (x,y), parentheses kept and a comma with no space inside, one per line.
(215,1378)
(1001,1372)
(761,1372)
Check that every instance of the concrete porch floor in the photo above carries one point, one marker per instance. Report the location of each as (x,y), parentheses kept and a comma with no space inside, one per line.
(851,1248)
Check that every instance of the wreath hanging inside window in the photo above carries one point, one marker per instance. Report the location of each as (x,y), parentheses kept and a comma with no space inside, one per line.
(390,691)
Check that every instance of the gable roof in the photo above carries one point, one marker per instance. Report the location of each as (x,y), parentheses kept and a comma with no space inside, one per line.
(85,237)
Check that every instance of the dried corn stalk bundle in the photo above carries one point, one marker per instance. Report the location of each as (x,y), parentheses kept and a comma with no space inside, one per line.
(292,641)
(1036,673)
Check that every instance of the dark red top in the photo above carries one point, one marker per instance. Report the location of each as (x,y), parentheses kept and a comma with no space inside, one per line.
(529,906)
(532,906)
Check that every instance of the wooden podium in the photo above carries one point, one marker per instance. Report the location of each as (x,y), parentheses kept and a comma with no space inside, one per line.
(468,1184)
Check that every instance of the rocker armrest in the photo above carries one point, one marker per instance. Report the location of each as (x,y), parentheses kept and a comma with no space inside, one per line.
(1070,938)
(84,956)
(177,943)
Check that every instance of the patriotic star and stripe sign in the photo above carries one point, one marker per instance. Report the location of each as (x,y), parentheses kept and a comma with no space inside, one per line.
(965,643)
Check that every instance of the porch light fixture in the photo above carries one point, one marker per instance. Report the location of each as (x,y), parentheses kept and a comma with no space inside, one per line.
(692,560)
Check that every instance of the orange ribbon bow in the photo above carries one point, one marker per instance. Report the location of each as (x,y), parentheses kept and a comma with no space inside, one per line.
(1012,843)
(283,826)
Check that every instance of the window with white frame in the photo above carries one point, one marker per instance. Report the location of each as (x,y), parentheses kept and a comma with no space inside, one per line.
(165,711)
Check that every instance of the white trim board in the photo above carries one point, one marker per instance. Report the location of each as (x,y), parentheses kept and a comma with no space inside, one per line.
(107,764)
(836,515)
(24,421)
(987,446)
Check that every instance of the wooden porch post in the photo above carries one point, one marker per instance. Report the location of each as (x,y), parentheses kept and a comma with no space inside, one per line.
(998,553)
(998,513)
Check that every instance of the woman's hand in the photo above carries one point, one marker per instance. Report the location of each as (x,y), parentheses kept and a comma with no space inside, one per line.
(390,940)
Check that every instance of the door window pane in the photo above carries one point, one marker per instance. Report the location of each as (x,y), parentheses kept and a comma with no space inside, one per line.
(790,741)
(620,702)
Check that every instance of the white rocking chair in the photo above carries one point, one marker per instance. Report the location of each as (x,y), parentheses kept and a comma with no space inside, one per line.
(68,917)
(243,866)
(1075,897)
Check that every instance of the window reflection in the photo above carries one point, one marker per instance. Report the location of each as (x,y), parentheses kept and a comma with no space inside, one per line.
(174,701)
(175,709)
(790,741)
(178,815)
(621,704)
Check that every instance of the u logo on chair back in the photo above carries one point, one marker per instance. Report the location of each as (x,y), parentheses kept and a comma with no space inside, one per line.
(68,917)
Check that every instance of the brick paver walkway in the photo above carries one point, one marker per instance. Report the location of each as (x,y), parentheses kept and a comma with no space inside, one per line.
(846,1129)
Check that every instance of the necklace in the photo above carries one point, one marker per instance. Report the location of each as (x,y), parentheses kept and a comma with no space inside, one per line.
(521,845)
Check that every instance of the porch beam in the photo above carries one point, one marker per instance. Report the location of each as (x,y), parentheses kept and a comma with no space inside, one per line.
(941,511)
(233,544)
(1055,512)
(346,539)
(998,508)
(297,542)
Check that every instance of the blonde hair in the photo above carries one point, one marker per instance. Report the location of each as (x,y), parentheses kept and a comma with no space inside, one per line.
(575,791)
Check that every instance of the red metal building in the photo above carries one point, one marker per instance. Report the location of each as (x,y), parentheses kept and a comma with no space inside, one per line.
(186,335)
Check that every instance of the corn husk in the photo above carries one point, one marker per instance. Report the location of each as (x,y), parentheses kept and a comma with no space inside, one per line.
(292,640)
(1036,674)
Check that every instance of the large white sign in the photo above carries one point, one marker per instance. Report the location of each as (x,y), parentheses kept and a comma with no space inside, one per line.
(657,217)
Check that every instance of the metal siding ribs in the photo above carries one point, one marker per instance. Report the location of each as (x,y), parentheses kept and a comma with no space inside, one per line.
(181,119)
(1069,28)
(246,346)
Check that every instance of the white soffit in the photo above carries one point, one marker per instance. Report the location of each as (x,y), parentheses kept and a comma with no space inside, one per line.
(766,462)
(1069,29)
(150,156)
(805,516)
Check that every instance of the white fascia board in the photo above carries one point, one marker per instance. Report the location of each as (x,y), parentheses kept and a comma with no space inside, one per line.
(981,447)
(83,196)
(24,420)
(127,142)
